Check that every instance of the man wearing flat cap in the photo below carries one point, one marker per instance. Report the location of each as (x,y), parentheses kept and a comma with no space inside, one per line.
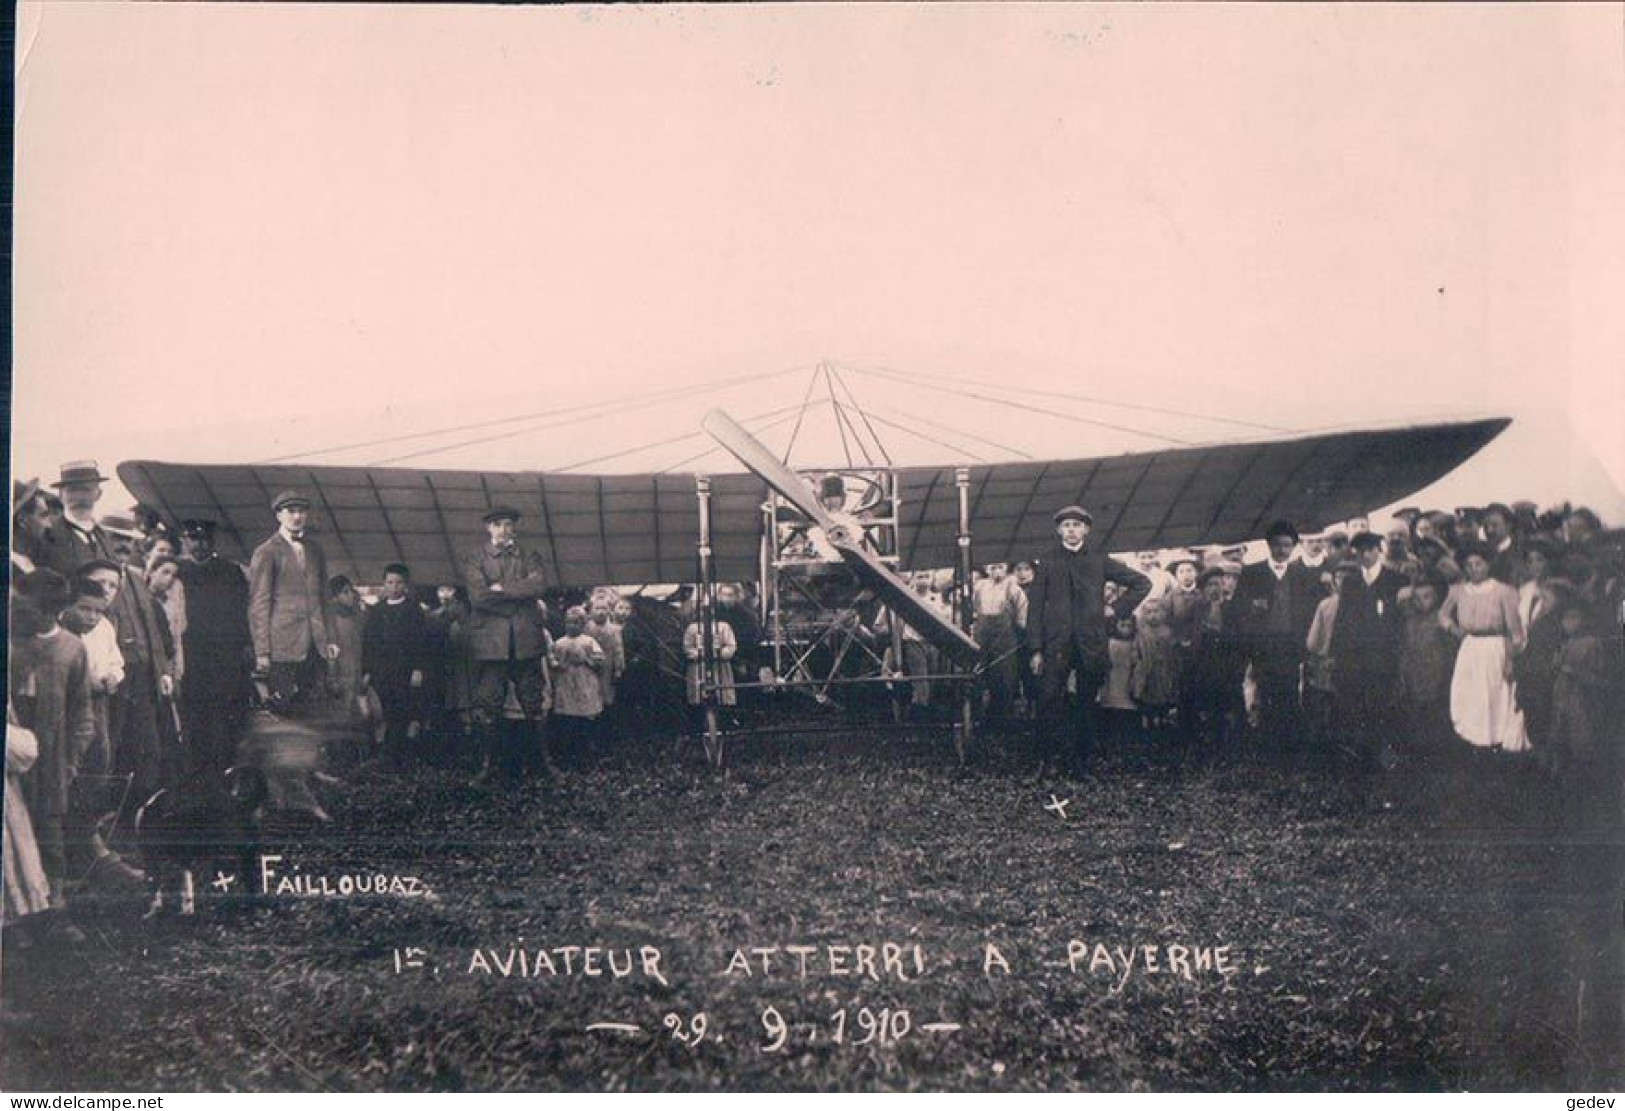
(218,649)
(1276,599)
(506,638)
(287,615)
(1066,626)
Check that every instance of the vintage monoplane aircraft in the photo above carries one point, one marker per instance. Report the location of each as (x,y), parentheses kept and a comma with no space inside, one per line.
(700,529)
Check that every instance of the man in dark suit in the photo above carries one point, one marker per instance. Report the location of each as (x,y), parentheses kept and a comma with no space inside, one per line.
(1365,653)
(506,638)
(1066,626)
(1276,598)
(1507,555)
(219,652)
(287,613)
(141,727)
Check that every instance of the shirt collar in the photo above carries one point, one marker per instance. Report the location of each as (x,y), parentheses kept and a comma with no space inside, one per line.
(290,537)
(1370,574)
(1279,568)
(1071,548)
(86,526)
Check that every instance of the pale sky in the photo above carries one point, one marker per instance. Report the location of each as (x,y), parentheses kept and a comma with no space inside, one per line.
(244,232)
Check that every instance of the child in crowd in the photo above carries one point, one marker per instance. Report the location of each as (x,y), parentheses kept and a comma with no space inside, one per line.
(578,696)
(1116,703)
(1579,695)
(1427,659)
(1535,668)
(1154,674)
(1320,683)
(726,647)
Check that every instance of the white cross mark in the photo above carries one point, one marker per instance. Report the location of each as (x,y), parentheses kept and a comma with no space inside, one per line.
(223,881)
(1058,805)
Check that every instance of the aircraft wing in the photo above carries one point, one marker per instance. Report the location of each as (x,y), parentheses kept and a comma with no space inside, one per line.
(594,529)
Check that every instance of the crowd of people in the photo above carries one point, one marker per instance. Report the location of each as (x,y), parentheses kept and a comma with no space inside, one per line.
(143,662)
(1494,630)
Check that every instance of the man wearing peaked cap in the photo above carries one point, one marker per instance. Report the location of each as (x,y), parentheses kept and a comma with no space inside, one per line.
(289,499)
(218,649)
(287,605)
(1066,628)
(507,640)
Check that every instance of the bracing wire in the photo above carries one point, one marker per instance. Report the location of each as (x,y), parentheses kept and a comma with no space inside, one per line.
(853,398)
(962,432)
(955,448)
(718,447)
(638,449)
(669,393)
(1008,403)
(812,380)
(835,407)
(1216,418)
(612,409)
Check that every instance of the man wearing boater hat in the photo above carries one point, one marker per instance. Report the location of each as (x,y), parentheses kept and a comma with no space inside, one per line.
(287,616)
(1066,626)
(218,648)
(506,637)
(140,728)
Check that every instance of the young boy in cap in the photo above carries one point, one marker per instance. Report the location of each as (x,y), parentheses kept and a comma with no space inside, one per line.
(1210,687)
(287,611)
(1067,624)
(396,656)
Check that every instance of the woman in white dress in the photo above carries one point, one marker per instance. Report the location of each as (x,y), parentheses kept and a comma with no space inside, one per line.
(1483,613)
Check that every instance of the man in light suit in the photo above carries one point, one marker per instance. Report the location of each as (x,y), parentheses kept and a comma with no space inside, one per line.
(506,638)
(286,604)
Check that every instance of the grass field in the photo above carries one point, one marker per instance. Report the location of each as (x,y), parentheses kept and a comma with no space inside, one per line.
(1466,937)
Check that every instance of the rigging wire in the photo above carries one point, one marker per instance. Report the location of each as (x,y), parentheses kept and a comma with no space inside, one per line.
(669,393)
(613,408)
(962,451)
(718,447)
(879,446)
(962,432)
(667,442)
(835,407)
(812,380)
(928,379)
(938,384)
